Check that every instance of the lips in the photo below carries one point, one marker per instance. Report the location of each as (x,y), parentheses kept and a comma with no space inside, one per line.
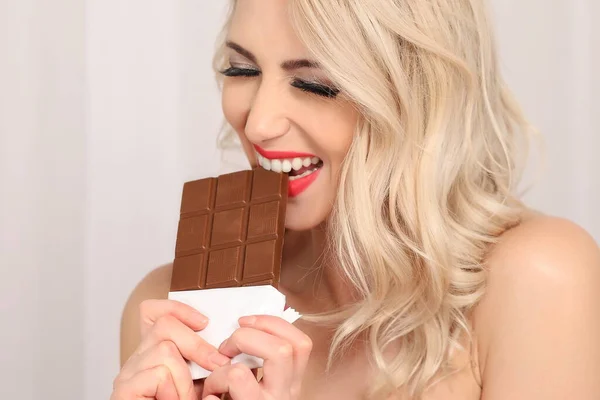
(303,168)
(297,186)
(279,155)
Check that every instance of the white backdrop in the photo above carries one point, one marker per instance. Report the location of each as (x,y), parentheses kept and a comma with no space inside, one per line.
(108,106)
(42,199)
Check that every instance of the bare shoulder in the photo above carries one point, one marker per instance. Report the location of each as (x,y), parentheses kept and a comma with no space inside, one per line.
(545,252)
(544,245)
(541,308)
(155,285)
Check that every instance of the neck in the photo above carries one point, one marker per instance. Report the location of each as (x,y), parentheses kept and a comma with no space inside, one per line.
(308,273)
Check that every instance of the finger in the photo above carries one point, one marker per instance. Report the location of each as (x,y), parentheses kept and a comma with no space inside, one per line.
(278,354)
(165,353)
(155,383)
(301,342)
(198,387)
(190,345)
(152,310)
(237,380)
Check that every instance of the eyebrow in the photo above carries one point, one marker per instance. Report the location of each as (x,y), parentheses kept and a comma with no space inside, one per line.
(286,65)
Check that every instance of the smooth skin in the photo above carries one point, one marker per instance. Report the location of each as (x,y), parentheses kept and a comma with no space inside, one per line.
(536,331)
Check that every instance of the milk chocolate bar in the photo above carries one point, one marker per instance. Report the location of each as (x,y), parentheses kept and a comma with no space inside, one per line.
(231,231)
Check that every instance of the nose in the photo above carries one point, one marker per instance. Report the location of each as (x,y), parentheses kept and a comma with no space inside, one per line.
(267,118)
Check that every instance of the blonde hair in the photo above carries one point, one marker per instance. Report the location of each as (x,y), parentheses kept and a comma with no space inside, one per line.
(427,186)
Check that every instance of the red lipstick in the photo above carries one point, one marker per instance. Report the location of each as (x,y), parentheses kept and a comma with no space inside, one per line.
(298,186)
(295,185)
(280,155)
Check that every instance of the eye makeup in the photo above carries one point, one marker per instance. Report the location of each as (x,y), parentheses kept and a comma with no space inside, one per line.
(237,71)
(316,88)
(312,87)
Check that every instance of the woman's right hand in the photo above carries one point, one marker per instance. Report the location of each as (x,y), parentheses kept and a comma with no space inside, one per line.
(157,369)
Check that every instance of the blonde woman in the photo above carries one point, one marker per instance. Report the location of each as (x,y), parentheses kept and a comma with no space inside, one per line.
(420,274)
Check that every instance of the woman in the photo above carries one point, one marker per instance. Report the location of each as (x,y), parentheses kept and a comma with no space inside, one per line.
(420,273)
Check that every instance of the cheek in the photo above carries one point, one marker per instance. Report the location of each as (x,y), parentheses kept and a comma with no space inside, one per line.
(235,110)
(235,107)
(340,129)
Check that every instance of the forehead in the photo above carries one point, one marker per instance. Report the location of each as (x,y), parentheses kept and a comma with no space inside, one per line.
(264,28)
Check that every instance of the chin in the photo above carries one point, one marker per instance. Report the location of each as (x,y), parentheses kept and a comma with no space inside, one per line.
(304,217)
(311,208)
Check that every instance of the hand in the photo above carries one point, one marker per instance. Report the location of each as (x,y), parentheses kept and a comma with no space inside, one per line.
(285,351)
(157,369)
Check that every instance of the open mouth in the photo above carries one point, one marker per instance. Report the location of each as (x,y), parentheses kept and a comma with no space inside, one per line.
(296,168)
(301,168)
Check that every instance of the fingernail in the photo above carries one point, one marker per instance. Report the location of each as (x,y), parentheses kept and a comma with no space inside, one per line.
(200,318)
(218,359)
(223,344)
(247,320)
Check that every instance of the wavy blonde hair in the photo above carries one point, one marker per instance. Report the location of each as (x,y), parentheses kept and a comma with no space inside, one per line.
(427,186)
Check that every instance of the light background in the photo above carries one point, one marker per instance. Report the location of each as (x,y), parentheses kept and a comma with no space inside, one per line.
(108,106)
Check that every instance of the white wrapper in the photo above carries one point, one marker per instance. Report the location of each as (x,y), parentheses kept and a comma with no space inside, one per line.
(224,307)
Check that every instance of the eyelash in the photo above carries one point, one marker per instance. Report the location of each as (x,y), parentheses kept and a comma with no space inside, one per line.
(310,87)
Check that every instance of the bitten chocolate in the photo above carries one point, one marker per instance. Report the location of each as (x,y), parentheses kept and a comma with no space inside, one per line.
(231,231)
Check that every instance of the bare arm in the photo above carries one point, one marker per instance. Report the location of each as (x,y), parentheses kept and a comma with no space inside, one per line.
(540,318)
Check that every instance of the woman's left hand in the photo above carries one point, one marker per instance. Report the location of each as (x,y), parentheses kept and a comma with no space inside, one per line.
(285,350)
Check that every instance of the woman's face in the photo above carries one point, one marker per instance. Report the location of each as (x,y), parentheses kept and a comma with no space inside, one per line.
(287,113)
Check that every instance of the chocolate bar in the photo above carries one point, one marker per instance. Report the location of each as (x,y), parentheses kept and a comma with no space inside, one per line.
(231,231)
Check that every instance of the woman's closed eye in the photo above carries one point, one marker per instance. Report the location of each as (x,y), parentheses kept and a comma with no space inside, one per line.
(306,86)
(238,71)
(316,88)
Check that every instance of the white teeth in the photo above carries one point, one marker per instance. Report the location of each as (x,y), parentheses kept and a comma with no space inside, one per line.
(286,166)
(296,164)
(264,162)
(276,165)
